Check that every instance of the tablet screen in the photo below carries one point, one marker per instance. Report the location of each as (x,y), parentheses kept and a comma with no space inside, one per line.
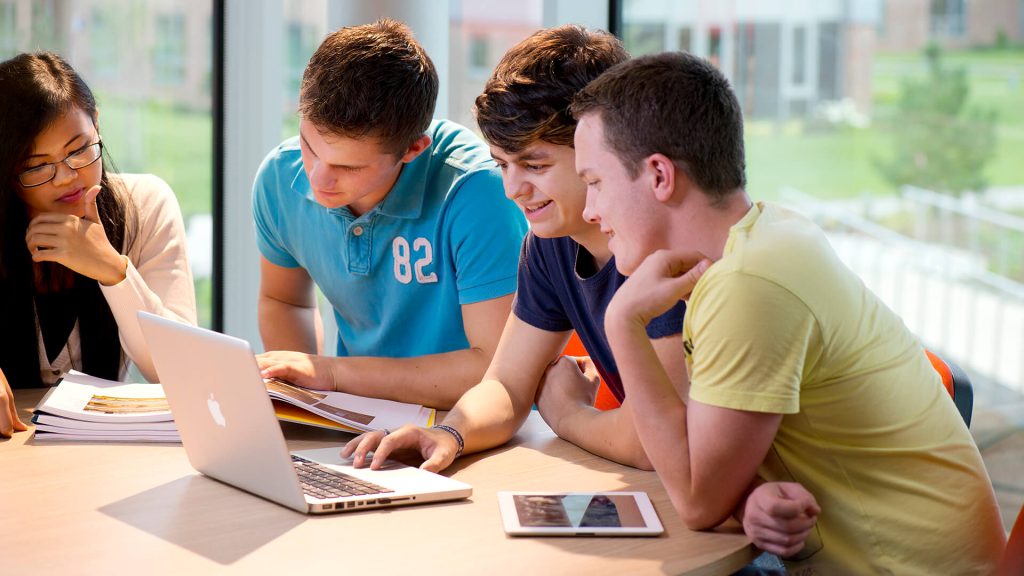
(578,513)
(578,510)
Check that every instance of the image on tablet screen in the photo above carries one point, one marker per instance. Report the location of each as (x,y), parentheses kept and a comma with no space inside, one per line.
(578,511)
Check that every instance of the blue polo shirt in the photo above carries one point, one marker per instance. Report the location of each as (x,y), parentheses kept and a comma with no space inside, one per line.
(397,276)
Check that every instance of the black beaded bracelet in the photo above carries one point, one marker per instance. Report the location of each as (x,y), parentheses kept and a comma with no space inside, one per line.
(455,433)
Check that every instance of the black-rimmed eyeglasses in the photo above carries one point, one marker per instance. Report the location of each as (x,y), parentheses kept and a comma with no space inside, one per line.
(77,160)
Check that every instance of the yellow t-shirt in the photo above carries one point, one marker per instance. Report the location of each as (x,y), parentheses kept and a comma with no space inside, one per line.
(780,325)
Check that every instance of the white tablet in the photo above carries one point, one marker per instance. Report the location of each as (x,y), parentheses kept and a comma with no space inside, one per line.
(578,514)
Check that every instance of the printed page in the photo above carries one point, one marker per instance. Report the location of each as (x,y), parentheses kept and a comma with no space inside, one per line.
(292,413)
(83,397)
(358,412)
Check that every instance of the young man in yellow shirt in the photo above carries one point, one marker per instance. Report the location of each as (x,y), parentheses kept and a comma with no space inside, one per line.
(798,372)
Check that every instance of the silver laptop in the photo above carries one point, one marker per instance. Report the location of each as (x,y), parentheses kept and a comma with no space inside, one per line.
(230,433)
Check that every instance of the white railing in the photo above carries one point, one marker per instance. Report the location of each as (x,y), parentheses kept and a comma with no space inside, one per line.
(945,294)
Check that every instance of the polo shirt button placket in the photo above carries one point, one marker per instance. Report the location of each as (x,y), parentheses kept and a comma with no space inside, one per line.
(359,248)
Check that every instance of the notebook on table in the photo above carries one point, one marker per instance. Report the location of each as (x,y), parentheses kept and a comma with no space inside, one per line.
(230,433)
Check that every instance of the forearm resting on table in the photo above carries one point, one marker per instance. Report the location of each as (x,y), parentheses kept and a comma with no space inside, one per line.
(488,415)
(609,434)
(706,456)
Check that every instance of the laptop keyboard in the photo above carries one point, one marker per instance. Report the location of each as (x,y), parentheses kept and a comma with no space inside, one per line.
(322,482)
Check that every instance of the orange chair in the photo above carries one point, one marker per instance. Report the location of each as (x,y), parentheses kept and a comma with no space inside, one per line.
(957,384)
(959,387)
(1013,559)
(605,399)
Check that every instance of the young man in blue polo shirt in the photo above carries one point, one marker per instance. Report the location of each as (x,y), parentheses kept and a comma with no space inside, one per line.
(567,276)
(400,221)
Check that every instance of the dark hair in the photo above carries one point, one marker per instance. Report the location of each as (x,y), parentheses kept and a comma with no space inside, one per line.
(527,97)
(371,80)
(675,104)
(35,90)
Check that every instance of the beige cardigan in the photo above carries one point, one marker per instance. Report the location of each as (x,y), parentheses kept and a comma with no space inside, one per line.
(158,280)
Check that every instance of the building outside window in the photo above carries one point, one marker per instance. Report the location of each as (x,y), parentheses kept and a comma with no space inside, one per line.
(948,18)
(169,49)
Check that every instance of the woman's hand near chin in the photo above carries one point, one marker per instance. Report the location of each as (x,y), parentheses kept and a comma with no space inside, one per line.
(80,244)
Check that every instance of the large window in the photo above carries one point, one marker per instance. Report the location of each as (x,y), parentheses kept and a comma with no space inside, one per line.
(909,152)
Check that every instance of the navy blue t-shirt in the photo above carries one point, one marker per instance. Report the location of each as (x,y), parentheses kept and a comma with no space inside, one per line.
(553,296)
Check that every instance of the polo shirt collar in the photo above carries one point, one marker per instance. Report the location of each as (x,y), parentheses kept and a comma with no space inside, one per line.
(300,183)
(406,197)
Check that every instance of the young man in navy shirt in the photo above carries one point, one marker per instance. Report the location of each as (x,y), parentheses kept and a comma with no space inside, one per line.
(399,220)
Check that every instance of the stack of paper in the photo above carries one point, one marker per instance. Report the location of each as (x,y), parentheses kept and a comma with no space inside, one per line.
(84,407)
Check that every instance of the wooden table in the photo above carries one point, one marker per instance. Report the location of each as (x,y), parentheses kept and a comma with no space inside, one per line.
(79,508)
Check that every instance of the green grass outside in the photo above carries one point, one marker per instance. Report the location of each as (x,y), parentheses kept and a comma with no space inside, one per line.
(173,143)
(842,162)
(822,164)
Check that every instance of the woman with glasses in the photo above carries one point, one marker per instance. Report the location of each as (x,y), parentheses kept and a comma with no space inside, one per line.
(82,249)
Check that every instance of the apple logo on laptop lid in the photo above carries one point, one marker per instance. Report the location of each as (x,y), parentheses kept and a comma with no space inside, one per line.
(214,407)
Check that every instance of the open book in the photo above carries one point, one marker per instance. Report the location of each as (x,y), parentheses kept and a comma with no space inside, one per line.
(84,407)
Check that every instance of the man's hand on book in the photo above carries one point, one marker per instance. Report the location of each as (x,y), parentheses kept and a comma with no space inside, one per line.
(9,421)
(306,370)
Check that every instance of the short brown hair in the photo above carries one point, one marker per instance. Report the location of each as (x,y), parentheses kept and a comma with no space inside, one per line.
(371,80)
(675,104)
(527,97)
